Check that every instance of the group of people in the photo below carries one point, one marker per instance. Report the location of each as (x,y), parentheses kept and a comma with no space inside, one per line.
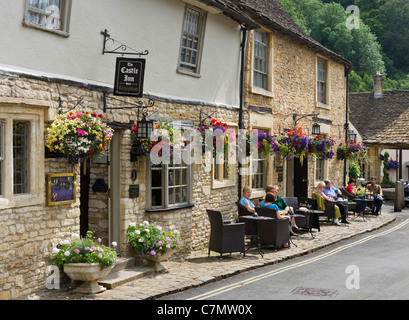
(325,189)
(272,201)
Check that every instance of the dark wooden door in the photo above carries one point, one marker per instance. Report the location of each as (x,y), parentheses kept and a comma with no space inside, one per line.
(301,177)
(84,197)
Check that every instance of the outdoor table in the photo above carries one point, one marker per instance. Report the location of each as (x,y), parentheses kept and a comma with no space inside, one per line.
(254,220)
(314,219)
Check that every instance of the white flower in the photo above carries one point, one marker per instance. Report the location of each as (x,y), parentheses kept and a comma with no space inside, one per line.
(75,236)
(55,250)
(65,242)
(132,224)
(67,253)
(114,244)
(159,228)
(137,232)
(140,240)
(145,223)
(146,230)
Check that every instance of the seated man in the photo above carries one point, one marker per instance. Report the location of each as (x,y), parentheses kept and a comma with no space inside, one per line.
(377,195)
(333,192)
(245,200)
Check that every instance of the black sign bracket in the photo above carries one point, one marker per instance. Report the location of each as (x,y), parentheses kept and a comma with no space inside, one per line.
(119,47)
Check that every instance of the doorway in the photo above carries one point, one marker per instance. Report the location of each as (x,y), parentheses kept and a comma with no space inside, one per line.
(84,196)
(114,203)
(297,178)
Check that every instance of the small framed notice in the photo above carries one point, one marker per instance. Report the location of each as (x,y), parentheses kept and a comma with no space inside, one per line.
(61,188)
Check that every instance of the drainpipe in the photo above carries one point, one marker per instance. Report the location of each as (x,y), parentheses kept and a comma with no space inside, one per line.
(347,72)
(241,106)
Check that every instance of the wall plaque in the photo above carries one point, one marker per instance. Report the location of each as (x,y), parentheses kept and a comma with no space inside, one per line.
(61,188)
(133,190)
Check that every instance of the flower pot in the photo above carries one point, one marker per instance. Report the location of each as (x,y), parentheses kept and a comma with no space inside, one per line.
(155,261)
(89,273)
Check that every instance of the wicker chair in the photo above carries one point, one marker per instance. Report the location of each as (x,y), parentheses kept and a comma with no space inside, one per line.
(272,232)
(329,207)
(225,238)
(303,218)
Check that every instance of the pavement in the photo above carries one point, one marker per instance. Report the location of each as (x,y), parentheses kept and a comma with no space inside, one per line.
(197,268)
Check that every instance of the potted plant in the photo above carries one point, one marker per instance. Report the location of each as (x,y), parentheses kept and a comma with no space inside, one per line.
(78,134)
(353,150)
(85,259)
(151,242)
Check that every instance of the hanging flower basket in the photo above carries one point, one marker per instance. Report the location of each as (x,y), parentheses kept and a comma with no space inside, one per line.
(228,136)
(392,164)
(144,146)
(78,134)
(353,150)
(322,148)
(294,144)
(266,144)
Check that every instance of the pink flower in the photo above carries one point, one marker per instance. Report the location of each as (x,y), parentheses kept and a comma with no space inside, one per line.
(153,252)
(81,132)
(160,242)
(167,239)
(76,251)
(99,255)
(168,246)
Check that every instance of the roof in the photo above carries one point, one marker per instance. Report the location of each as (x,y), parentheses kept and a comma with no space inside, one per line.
(382,121)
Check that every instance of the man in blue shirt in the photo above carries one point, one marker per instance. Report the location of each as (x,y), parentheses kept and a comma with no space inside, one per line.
(329,190)
(333,192)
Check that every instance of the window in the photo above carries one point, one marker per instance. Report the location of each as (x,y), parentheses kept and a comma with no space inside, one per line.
(1,155)
(260,70)
(192,38)
(319,170)
(20,157)
(49,15)
(169,185)
(258,180)
(321,81)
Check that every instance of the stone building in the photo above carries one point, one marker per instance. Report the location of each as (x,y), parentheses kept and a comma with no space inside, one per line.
(55,62)
(292,80)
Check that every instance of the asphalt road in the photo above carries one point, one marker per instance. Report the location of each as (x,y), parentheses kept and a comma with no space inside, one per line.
(373,266)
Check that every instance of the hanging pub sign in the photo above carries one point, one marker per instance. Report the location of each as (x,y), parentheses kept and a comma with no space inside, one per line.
(129,75)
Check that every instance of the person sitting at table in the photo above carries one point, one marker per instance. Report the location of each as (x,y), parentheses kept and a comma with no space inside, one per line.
(377,195)
(350,188)
(320,193)
(281,204)
(330,190)
(245,200)
(269,203)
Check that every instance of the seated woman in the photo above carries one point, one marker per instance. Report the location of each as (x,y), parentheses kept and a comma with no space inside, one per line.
(245,200)
(319,192)
(269,203)
(350,189)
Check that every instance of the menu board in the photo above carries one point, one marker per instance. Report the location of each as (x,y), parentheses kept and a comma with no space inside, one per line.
(61,188)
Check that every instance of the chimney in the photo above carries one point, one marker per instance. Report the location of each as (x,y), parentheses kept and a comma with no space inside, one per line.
(377,85)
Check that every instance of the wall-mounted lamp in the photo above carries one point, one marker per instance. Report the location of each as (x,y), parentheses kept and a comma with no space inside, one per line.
(316,129)
(352,135)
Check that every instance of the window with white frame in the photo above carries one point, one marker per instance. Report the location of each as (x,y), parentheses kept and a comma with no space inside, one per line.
(260,68)
(259,178)
(49,15)
(319,170)
(321,80)
(192,39)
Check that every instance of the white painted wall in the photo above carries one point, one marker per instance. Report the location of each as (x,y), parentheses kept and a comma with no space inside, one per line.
(154,25)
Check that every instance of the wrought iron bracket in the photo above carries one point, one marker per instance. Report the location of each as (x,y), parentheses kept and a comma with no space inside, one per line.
(301,116)
(138,104)
(119,47)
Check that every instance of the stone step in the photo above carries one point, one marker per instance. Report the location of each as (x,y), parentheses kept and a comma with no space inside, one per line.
(120,277)
(123,263)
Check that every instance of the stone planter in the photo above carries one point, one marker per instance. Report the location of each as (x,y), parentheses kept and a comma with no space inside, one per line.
(89,273)
(155,261)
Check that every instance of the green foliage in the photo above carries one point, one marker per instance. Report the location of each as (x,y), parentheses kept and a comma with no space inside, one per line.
(150,239)
(380,44)
(84,250)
